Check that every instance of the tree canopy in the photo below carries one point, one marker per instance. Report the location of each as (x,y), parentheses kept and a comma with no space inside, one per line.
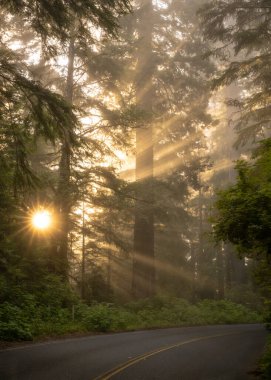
(244,209)
(240,32)
(58,18)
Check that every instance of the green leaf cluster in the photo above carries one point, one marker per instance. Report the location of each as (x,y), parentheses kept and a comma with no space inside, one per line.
(244,210)
(57,19)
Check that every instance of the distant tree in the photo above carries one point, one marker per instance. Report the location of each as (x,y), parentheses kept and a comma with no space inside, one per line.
(240,31)
(143,284)
(157,84)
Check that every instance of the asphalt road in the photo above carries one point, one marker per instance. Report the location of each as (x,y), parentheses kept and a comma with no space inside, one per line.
(192,353)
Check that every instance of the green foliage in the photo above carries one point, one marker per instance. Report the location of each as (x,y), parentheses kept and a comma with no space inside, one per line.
(14,324)
(244,210)
(265,363)
(163,312)
(216,311)
(38,305)
(31,112)
(46,112)
(243,215)
(103,317)
(240,30)
(33,319)
(27,110)
(245,294)
(57,21)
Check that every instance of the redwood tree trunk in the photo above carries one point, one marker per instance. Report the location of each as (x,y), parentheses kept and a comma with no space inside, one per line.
(143,282)
(64,190)
(220,273)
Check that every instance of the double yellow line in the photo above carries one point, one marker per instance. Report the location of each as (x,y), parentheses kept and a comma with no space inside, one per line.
(114,371)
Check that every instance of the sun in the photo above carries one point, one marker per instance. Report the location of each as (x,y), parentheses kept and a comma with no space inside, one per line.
(42,219)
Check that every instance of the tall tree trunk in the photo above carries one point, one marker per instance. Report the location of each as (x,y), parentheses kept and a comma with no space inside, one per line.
(236,271)
(109,273)
(83,264)
(64,190)
(220,273)
(193,271)
(200,267)
(143,282)
(228,268)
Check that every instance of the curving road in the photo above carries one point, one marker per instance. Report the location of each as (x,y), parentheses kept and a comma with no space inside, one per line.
(226,352)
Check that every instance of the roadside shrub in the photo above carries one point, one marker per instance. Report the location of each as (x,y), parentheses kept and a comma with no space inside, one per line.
(33,319)
(179,312)
(98,318)
(223,311)
(14,323)
(14,332)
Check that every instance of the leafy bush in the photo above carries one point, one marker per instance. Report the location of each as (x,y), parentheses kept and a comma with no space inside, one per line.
(106,317)
(179,312)
(13,332)
(47,310)
(14,323)
(33,319)
(98,318)
(216,312)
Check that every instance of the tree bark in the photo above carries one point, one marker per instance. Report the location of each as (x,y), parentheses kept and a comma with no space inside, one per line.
(83,264)
(64,190)
(143,282)
(220,273)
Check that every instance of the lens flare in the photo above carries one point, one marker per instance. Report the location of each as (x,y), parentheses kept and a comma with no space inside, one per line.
(42,219)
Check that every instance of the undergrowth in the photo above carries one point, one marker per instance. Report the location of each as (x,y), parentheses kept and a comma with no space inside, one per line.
(31,319)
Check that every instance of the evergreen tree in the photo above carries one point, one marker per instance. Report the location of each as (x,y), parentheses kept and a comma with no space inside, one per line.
(57,21)
(31,111)
(174,82)
(240,31)
(242,216)
(143,282)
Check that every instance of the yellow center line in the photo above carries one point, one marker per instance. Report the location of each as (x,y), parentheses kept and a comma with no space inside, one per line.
(114,371)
